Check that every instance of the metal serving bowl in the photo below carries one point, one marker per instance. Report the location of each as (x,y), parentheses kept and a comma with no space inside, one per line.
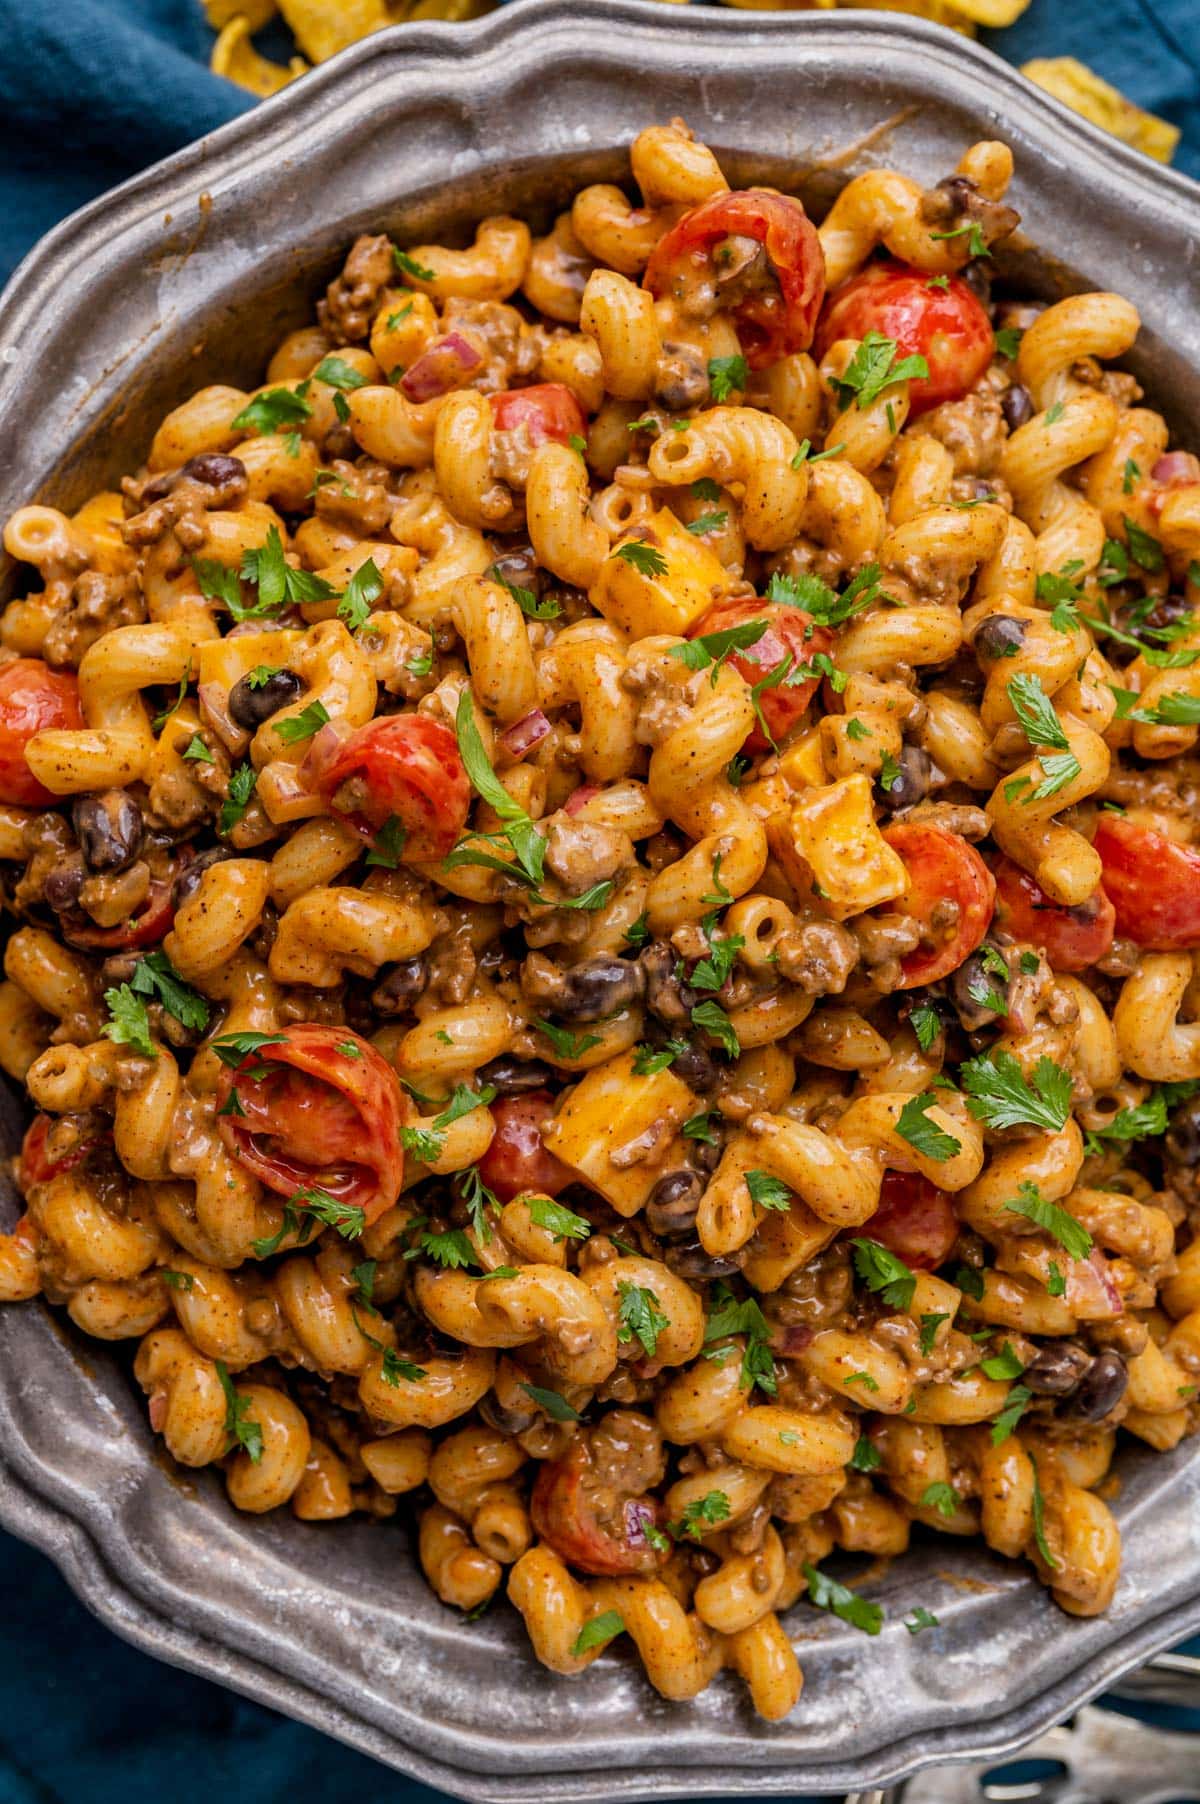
(190,274)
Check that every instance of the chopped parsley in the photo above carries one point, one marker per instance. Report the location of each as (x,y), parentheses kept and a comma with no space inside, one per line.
(1059,1223)
(828,1594)
(998,1095)
(731,1317)
(360,594)
(598,1632)
(556,1407)
(701,1512)
(647,560)
(638,1314)
(241,1430)
(884,1271)
(556,1219)
(925,1136)
(768,1192)
(873,368)
(725,374)
(295,727)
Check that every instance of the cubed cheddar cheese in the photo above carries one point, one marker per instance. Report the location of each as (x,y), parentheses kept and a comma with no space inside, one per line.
(613,1116)
(833,830)
(670,603)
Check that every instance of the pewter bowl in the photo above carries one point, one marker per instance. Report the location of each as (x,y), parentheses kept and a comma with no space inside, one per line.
(189,274)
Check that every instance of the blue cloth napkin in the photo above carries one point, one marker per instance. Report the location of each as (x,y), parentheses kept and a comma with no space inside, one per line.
(90,92)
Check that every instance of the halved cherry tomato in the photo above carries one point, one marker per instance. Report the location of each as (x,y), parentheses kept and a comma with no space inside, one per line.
(948,327)
(32,697)
(403,767)
(1071,938)
(147,928)
(36,1165)
(772,321)
(789,631)
(516,1160)
(590,1524)
(320,1109)
(1153,883)
(942,868)
(914,1218)
(548,411)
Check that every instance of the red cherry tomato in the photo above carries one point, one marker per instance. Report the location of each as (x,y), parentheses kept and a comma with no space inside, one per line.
(789,631)
(772,322)
(145,929)
(321,1109)
(948,327)
(1071,938)
(516,1160)
(1153,883)
(548,410)
(941,868)
(403,767)
(589,1523)
(915,1219)
(36,1166)
(32,697)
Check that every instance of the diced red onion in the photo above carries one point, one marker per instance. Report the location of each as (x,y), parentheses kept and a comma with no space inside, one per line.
(322,750)
(1176,467)
(440,368)
(525,733)
(1092,1294)
(579,798)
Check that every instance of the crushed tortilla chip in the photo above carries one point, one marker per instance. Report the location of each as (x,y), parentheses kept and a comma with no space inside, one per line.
(323,27)
(256,13)
(234,56)
(784,6)
(994,15)
(940,11)
(449,9)
(1087,93)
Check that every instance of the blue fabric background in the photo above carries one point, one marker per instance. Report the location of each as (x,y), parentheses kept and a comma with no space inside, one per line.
(90,92)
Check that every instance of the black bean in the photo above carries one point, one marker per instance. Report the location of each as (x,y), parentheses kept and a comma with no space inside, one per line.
(515,1077)
(1183,1135)
(681,378)
(250,706)
(697,1069)
(689,1259)
(971,986)
(63,884)
(999,636)
(911,781)
(214,469)
(1099,1391)
(517,564)
(506,1421)
(601,986)
(399,985)
(1017,406)
(586,992)
(672,1204)
(187,880)
(109,828)
(666,996)
(1056,1370)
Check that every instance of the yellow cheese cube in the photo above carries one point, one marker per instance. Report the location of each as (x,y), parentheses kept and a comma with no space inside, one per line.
(834,832)
(670,602)
(802,765)
(618,1130)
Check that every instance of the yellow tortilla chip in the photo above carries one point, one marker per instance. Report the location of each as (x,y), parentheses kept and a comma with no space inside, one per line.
(323,27)
(994,14)
(450,9)
(938,10)
(784,6)
(234,57)
(256,13)
(1087,93)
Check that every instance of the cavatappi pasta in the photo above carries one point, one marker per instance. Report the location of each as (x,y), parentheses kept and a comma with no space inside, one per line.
(605,905)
